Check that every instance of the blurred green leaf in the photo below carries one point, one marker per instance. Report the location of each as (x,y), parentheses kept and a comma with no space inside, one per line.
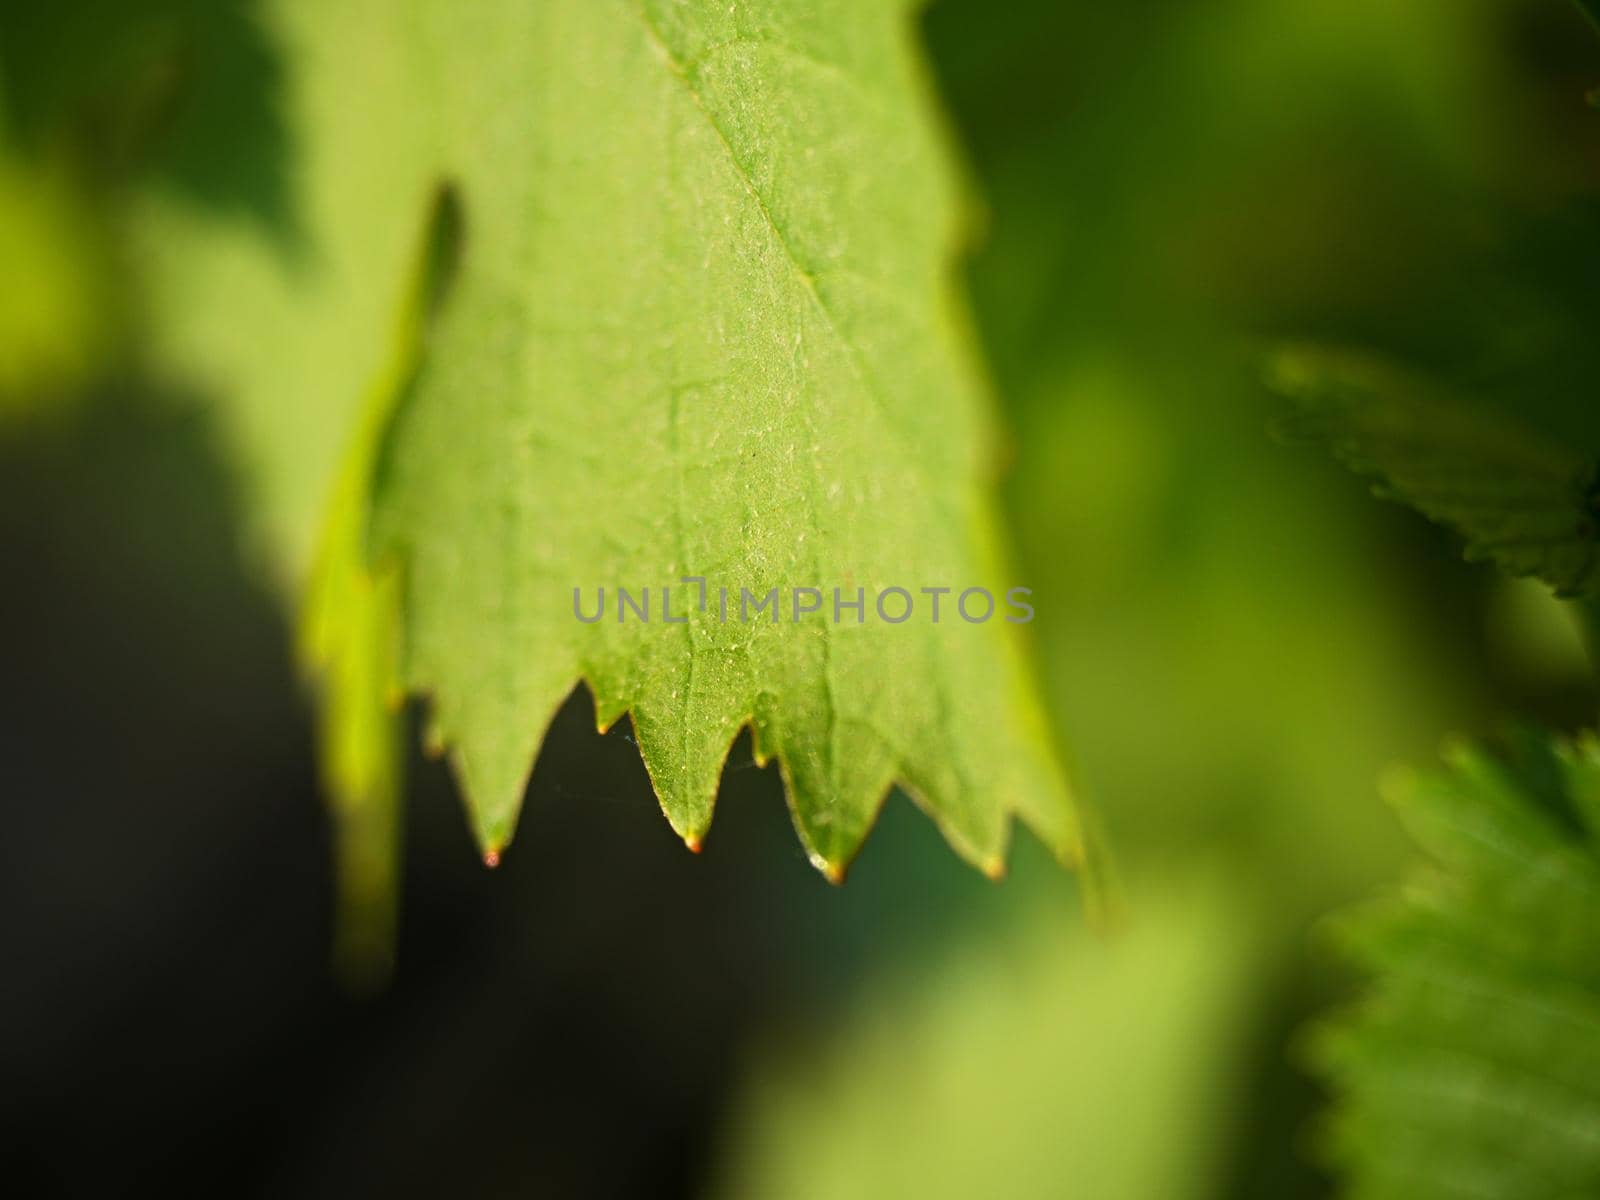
(350,638)
(1526,503)
(54,329)
(1472,1068)
(1176,187)
(1044,1063)
(701,327)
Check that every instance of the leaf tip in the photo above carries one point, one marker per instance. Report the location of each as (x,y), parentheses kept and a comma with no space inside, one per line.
(491,859)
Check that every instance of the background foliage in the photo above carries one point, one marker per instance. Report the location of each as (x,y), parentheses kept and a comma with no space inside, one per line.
(1238,642)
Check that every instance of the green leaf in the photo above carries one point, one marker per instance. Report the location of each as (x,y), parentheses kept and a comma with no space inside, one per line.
(1051,1062)
(1473,1066)
(703,325)
(1520,501)
(54,328)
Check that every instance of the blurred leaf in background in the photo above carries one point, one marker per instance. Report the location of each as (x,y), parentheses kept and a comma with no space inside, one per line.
(1047,1062)
(1470,1068)
(53,320)
(1523,502)
(1183,554)
(96,98)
